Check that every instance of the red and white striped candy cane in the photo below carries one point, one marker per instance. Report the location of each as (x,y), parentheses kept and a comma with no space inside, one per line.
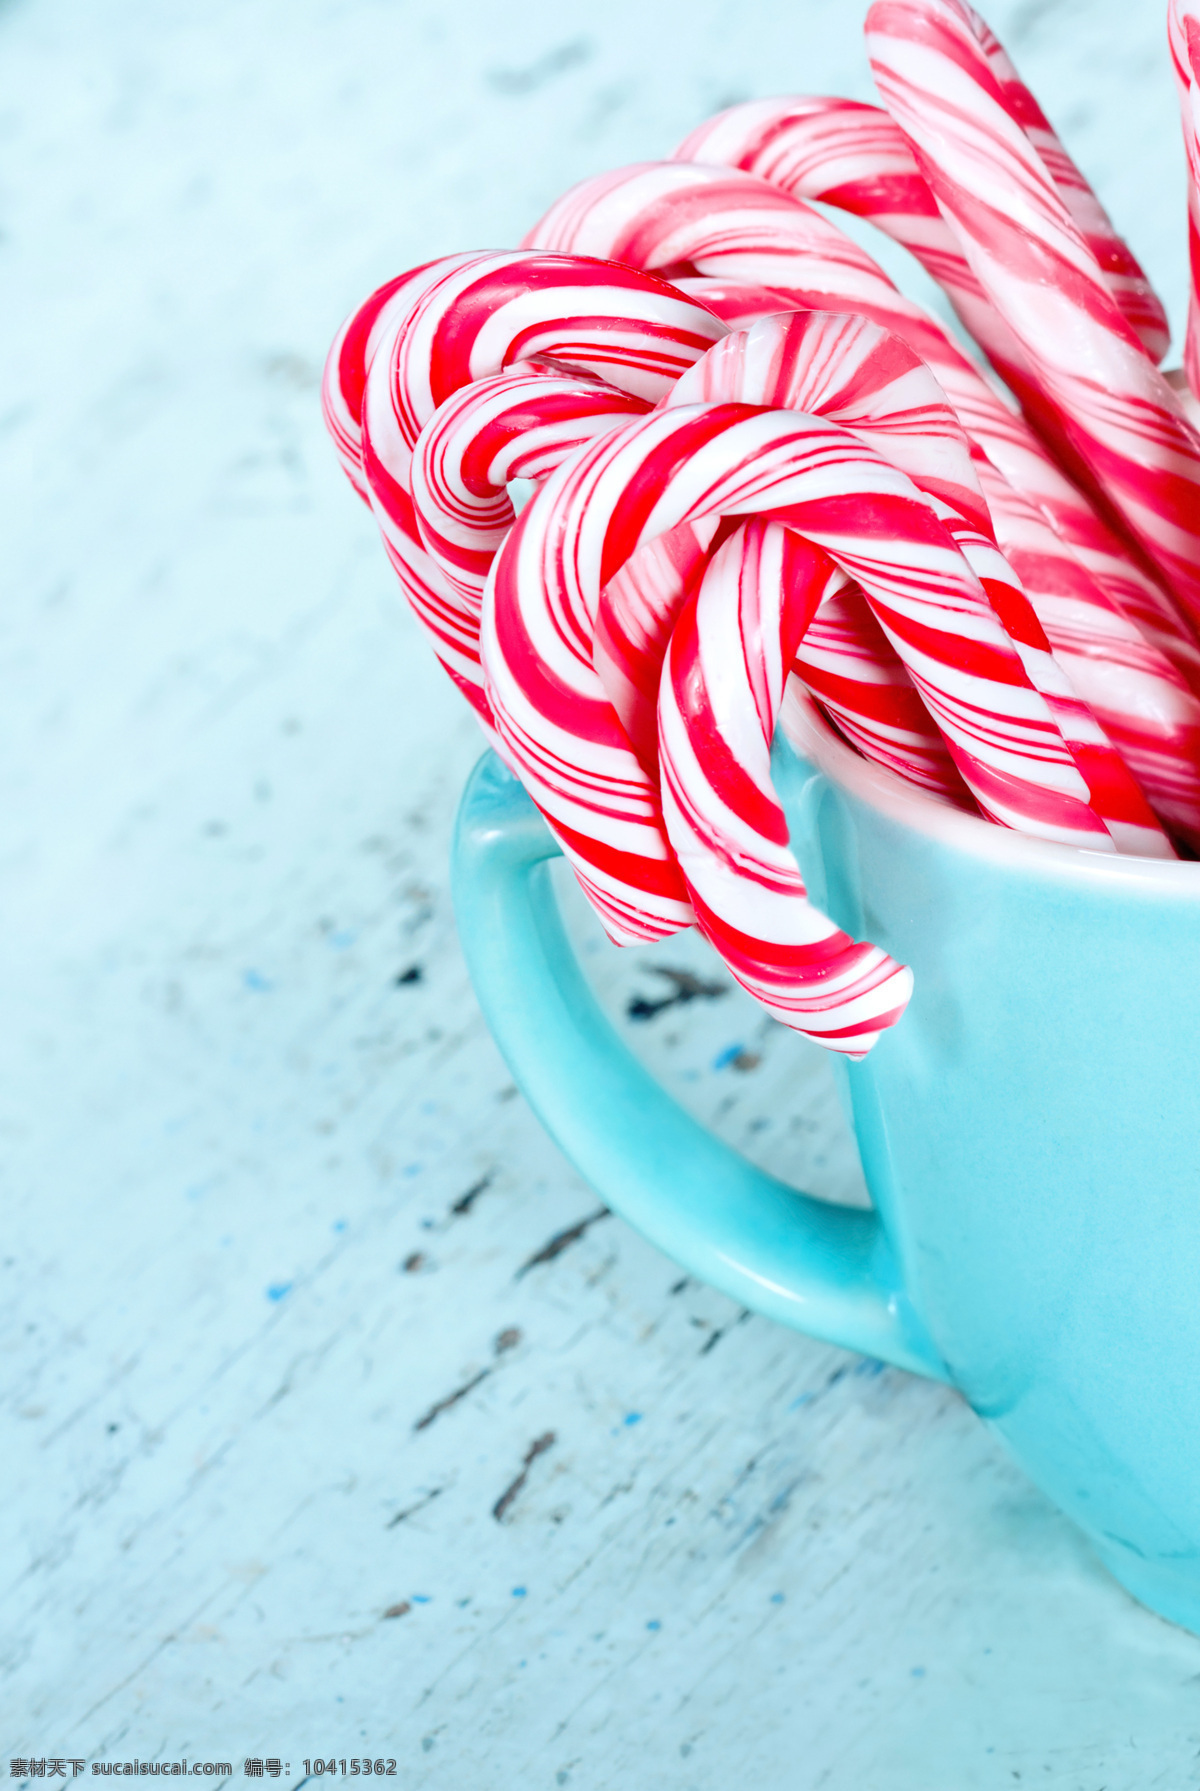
(517,425)
(482,314)
(637,610)
(721,691)
(1125,278)
(561,733)
(748,250)
(847,368)
(847,662)
(1028,254)
(677,466)
(840,366)
(344,380)
(1183,34)
(1140,699)
(855,157)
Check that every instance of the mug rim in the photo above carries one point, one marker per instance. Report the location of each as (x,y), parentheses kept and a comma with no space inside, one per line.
(889,794)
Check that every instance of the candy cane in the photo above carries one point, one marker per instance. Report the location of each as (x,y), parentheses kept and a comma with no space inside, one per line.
(1115,676)
(1125,279)
(869,381)
(847,662)
(749,250)
(343,383)
(518,425)
(560,732)
(1027,252)
(845,368)
(855,157)
(480,315)
(1183,35)
(677,466)
(1141,701)
(635,616)
(717,713)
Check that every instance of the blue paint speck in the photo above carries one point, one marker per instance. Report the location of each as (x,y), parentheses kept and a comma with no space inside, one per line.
(421,1598)
(279,1290)
(726,1057)
(411,1169)
(254,979)
(917,1672)
(342,939)
(777,1598)
(869,1366)
(801,1399)
(654,1623)
(518,1591)
(339,1225)
(633,1418)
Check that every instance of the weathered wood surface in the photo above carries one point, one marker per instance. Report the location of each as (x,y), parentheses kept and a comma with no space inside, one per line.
(337,1417)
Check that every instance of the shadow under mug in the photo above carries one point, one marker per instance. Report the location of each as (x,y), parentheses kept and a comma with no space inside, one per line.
(1029,1131)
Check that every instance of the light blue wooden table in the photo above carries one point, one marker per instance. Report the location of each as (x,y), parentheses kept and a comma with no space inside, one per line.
(338,1418)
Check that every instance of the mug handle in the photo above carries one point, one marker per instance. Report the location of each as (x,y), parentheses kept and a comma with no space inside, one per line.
(827,1270)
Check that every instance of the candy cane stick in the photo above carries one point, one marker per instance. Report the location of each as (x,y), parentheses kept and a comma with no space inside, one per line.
(1125,279)
(677,466)
(481,314)
(560,732)
(1183,35)
(635,616)
(344,380)
(1027,252)
(869,381)
(847,662)
(522,424)
(856,158)
(845,659)
(518,425)
(842,367)
(721,691)
(1141,701)
(752,250)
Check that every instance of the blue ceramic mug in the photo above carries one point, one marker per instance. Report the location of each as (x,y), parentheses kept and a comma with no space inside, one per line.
(1030,1131)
